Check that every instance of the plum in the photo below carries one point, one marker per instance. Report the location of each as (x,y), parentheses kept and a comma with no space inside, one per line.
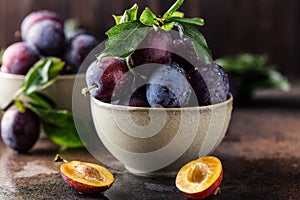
(48,36)
(108,79)
(36,17)
(84,177)
(209,81)
(168,87)
(200,178)
(137,98)
(20,131)
(45,30)
(155,48)
(78,48)
(210,84)
(18,58)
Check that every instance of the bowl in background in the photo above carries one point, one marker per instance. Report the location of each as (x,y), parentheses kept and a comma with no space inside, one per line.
(60,92)
(159,141)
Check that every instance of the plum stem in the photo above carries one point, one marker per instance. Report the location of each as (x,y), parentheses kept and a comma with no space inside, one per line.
(8,106)
(58,158)
(86,91)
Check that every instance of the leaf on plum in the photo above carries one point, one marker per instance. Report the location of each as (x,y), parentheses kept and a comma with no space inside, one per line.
(129,15)
(148,18)
(123,39)
(190,21)
(199,43)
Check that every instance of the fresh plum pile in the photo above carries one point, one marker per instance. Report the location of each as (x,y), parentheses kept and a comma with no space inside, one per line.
(161,72)
(43,35)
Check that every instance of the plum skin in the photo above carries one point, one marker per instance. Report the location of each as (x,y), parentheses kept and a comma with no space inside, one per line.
(110,77)
(168,87)
(18,58)
(83,188)
(89,179)
(208,192)
(136,99)
(209,81)
(45,30)
(155,48)
(78,48)
(37,16)
(48,36)
(200,88)
(20,131)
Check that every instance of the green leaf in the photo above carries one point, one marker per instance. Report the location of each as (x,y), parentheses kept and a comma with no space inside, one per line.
(243,63)
(40,100)
(199,43)
(66,135)
(59,126)
(169,26)
(178,14)
(42,74)
(1,55)
(148,18)
(252,72)
(173,9)
(123,39)
(117,19)
(129,15)
(190,21)
(277,80)
(20,105)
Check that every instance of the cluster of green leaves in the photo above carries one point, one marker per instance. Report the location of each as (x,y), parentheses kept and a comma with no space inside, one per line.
(58,124)
(252,72)
(129,31)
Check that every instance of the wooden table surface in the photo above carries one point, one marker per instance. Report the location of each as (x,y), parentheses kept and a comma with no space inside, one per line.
(260,156)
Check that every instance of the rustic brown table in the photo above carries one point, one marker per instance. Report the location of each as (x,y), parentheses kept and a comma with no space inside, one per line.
(260,155)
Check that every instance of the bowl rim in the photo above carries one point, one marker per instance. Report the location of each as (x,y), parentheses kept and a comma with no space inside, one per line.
(228,101)
(21,77)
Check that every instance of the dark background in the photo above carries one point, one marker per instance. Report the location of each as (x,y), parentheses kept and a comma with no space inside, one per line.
(258,26)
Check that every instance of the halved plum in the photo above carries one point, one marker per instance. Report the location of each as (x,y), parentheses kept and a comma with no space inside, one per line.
(86,178)
(200,178)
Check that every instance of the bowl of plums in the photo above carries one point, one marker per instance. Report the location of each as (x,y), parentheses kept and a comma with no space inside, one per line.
(43,36)
(157,98)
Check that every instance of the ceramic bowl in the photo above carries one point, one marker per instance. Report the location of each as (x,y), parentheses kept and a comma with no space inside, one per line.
(60,92)
(158,141)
